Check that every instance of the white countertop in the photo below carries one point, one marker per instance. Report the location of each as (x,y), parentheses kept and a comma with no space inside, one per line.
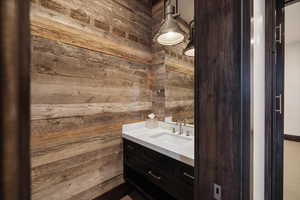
(181,148)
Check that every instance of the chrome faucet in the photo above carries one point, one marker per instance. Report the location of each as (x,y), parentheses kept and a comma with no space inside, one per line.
(180,124)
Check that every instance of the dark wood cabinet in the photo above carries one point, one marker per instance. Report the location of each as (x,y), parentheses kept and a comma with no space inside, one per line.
(158,176)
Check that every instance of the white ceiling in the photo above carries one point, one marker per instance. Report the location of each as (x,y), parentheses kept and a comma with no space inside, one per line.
(292,23)
(186,9)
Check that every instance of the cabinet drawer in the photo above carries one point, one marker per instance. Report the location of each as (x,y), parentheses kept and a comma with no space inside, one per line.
(146,158)
(184,182)
(185,174)
(159,178)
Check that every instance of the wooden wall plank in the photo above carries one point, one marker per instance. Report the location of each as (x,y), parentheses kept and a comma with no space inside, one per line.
(74,135)
(59,125)
(55,153)
(99,189)
(60,166)
(50,111)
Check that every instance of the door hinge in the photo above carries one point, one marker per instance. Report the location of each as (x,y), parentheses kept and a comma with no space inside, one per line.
(278,34)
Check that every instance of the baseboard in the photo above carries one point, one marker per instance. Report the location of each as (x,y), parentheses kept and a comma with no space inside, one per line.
(116,193)
(292,138)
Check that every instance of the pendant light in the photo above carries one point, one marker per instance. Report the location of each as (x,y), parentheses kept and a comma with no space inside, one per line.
(169,33)
(190,48)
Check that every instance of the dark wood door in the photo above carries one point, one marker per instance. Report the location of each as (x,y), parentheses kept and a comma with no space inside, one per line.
(14,100)
(222,98)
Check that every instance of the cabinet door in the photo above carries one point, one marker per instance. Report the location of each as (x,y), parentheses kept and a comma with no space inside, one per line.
(134,157)
(185,174)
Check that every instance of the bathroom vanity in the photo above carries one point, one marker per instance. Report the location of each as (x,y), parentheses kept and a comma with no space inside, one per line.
(158,162)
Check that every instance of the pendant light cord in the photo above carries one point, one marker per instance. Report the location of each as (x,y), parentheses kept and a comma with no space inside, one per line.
(169,3)
(192,29)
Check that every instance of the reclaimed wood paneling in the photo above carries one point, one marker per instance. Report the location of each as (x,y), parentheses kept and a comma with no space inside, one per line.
(118,28)
(71,123)
(90,74)
(77,116)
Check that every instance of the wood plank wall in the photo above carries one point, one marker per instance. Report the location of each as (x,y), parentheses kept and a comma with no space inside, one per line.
(83,90)
(94,68)
(173,93)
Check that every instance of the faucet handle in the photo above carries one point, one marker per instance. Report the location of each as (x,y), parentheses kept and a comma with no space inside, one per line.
(174,130)
(187,133)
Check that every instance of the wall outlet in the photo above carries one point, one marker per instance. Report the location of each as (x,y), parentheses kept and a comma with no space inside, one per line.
(217,192)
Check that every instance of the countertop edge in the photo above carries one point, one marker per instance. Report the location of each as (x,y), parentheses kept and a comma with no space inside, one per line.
(161,150)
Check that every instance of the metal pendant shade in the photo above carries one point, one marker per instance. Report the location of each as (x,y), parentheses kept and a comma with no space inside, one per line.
(169,33)
(190,48)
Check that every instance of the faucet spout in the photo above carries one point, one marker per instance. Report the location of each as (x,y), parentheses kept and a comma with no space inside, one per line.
(180,128)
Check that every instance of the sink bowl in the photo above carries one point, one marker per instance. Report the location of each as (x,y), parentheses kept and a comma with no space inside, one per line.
(170,139)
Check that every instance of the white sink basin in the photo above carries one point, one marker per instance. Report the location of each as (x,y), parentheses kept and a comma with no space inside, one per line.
(171,139)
